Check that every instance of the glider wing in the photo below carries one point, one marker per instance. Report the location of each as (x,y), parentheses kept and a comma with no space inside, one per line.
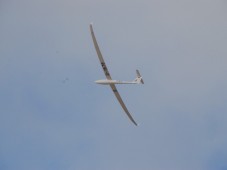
(113,87)
(106,72)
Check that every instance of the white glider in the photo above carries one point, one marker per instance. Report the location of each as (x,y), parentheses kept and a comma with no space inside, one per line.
(109,81)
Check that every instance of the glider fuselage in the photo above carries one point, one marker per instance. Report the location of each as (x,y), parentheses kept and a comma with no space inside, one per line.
(108,82)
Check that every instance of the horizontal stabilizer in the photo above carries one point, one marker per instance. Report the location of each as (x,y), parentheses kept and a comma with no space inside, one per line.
(139,78)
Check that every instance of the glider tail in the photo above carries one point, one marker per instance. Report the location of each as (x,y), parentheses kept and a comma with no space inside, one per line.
(139,78)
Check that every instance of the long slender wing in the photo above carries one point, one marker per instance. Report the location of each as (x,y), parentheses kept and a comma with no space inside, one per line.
(106,72)
(113,87)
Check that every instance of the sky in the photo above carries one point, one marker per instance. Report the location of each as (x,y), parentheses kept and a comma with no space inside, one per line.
(53,115)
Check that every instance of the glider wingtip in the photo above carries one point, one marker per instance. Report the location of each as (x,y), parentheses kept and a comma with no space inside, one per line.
(91,27)
(135,123)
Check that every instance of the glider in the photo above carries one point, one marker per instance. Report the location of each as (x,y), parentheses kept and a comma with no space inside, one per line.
(109,81)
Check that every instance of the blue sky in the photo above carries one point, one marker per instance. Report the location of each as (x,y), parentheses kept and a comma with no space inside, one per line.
(53,116)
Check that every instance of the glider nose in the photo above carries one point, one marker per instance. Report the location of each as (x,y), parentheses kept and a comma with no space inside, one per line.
(99,81)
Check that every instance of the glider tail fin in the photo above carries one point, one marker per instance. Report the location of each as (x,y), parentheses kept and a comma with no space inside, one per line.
(139,78)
